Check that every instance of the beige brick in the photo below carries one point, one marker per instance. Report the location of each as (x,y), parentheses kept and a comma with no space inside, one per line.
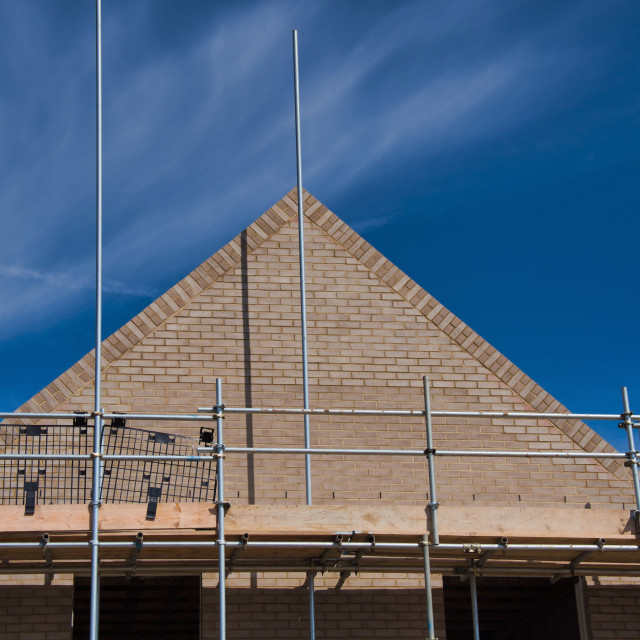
(373,333)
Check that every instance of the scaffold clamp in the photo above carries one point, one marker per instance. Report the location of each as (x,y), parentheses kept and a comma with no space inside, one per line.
(336,546)
(225,505)
(244,539)
(372,541)
(218,411)
(626,420)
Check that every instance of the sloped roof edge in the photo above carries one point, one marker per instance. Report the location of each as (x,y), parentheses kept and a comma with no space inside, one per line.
(505,370)
(164,307)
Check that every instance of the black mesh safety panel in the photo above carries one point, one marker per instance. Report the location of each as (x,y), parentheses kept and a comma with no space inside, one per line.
(46,481)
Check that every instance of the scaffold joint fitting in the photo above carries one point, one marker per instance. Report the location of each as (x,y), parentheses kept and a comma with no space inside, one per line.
(626,420)
(224,505)
(218,411)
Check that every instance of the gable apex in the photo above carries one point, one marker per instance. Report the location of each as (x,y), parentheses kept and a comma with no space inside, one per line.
(264,228)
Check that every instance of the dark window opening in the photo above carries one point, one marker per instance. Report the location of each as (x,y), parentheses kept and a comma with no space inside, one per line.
(512,609)
(158,608)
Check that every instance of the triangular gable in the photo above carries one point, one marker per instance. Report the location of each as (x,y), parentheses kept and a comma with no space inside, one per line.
(222,262)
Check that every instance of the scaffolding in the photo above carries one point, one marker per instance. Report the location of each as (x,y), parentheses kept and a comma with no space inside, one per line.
(113,463)
(342,554)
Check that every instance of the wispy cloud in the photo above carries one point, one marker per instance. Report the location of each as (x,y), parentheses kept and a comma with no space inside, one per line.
(450,105)
(61,280)
(125,289)
(71,282)
(198,135)
(371,223)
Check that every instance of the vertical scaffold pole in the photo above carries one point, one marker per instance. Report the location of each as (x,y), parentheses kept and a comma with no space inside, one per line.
(312,604)
(94,614)
(222,596)
(303,288)
(581,598)
(632,453)
(474,603)
(427,588)
(433,503)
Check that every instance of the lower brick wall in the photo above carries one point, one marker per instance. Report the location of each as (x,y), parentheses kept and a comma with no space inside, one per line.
(613,611)
(358,611)
(348,613)
(36,612)
(364,611)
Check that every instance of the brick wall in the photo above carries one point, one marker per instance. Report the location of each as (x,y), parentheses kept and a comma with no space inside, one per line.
(368,346)
(373,333)
(32,612)
(613,610)
(279,608)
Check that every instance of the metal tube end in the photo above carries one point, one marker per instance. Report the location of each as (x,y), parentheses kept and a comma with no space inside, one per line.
(625,400)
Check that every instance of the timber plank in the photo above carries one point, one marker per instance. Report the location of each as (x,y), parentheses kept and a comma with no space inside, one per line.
(543,525)
(278,520)
(456,524)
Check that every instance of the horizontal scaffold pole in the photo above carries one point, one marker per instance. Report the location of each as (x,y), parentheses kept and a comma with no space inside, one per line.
(206,413)
(514,415)
(184,417)
(191,569)
(87,456)
(421,453)
(415,547)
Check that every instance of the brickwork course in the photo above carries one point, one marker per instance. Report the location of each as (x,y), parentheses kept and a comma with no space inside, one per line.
(372,334)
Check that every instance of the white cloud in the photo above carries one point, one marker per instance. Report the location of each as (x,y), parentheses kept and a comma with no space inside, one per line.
(199,139)
(74,282)
(61,280)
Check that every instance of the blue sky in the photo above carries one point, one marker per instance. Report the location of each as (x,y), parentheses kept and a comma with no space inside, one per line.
(490,149)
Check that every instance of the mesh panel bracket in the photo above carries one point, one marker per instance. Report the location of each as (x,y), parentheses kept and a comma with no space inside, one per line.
(30,492)
(154,494)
